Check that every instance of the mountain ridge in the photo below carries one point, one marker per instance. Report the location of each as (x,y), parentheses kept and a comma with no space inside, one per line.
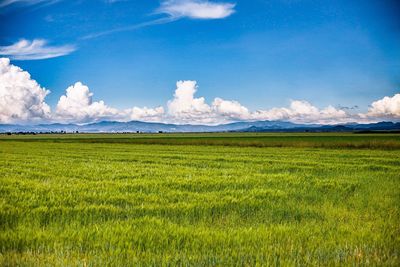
(153,127)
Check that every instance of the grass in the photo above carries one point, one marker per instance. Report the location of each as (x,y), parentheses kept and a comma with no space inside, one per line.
(200,199)
(325,140)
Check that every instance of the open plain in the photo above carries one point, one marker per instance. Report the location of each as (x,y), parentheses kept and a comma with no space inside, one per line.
(200,199)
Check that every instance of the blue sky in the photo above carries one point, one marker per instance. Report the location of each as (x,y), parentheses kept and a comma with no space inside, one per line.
(264,54)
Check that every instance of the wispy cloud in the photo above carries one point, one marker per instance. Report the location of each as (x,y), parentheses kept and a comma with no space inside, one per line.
(175,10)
(6,3)
(196,9)
(36,49)
(130,27)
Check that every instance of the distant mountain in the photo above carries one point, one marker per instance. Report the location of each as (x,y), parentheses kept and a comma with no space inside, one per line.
(55,127)
(384,125)
(353,127)
(151,127)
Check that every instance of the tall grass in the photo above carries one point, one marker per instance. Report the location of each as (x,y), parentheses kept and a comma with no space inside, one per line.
(315,140)
(109,203)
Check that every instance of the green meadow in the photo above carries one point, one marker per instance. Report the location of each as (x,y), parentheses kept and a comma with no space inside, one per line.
(200,200)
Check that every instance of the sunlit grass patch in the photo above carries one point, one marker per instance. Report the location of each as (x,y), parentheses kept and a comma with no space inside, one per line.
(124,203)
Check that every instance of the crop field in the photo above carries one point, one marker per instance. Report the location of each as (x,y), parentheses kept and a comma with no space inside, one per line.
(200,200)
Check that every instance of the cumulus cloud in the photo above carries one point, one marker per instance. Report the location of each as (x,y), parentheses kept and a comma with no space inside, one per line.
(36,49)
(21,98)
(302,111)
(385,108)
(196,9)
(145,114)
(230,109)
(77,105)
(185,107)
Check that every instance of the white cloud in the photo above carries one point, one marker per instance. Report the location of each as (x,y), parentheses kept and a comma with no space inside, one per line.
(21,98)
(230,109)
(184,107)
(114,1)
(196,9)
(385,108)
(130,27)
(36,49)
(303,108)
(77,105)
(145,114)
(303,112)
(175,10)
(5,3)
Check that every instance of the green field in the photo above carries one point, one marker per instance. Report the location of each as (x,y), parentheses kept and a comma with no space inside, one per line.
(200,200)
